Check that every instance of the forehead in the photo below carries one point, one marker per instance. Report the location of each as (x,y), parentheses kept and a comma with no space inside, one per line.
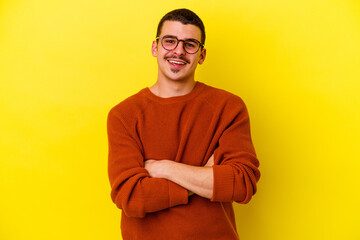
(180,30)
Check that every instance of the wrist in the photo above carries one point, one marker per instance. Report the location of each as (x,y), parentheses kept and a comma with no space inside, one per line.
(168,167)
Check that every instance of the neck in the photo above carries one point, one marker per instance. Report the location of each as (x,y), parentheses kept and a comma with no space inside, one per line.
(166,89)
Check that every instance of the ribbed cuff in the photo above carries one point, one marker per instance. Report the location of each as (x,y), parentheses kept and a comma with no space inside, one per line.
(223,183)
(177,194)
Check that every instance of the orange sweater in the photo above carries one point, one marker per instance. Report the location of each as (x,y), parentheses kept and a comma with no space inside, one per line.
(186,129)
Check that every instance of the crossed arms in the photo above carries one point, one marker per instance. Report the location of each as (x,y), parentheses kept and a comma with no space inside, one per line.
(140,186)
(198,180)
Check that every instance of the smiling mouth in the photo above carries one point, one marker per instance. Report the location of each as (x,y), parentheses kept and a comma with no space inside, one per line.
(176,65)
(179,60)
(176,62)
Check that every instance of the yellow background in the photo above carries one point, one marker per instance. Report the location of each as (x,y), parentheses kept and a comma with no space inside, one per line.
(64,64)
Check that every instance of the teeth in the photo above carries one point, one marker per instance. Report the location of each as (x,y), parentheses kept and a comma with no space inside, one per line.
(172,61)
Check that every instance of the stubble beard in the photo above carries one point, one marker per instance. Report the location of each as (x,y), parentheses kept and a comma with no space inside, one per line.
(179,57)
(175,70)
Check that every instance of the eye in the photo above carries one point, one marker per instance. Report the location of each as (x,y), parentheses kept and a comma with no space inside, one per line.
(169,40)
(190,44)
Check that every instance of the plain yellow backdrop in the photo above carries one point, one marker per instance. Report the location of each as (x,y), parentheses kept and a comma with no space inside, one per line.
(64,64)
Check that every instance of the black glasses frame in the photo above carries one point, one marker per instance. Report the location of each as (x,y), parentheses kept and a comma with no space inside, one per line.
(177,43)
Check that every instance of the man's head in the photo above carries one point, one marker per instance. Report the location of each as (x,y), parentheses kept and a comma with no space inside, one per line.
(184,16)
(179,45)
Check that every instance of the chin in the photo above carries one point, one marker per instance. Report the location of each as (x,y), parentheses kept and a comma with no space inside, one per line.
(179,78)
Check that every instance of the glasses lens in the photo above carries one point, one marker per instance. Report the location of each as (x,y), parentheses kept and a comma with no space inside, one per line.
(191,46)
(169,43)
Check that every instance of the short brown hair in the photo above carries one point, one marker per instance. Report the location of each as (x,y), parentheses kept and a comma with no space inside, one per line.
(185,16)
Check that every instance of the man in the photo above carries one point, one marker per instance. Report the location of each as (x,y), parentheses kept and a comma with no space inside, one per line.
(180,152)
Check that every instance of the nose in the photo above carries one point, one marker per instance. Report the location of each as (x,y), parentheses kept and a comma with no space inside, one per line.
(179,50)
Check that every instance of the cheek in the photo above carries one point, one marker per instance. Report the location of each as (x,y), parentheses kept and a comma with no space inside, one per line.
(194,62)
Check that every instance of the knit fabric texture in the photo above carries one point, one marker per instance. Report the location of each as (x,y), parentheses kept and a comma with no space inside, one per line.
(186,129)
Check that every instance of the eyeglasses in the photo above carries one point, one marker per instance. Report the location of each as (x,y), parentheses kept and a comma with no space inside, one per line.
(190,46)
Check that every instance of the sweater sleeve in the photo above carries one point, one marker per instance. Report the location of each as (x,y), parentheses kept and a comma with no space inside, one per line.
(236,165)
(132,188)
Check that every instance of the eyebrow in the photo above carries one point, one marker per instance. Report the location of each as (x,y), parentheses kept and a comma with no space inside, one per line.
(186,39)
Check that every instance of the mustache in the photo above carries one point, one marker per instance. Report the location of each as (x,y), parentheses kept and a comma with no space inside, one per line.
(177,57)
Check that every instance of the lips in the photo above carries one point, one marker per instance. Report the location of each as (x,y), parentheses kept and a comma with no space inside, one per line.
(176,62)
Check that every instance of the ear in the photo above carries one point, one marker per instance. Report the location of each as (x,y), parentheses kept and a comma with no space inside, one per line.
(202,56)
(154,48)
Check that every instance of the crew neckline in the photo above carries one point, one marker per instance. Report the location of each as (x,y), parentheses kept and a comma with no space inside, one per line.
(199,86)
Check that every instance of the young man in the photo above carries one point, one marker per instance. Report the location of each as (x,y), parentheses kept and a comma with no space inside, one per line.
(180,152)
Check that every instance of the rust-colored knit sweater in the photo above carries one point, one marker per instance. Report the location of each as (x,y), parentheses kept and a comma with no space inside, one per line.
(187,129)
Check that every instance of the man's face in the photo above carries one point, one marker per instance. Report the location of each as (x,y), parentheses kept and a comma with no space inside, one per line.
(177,64)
